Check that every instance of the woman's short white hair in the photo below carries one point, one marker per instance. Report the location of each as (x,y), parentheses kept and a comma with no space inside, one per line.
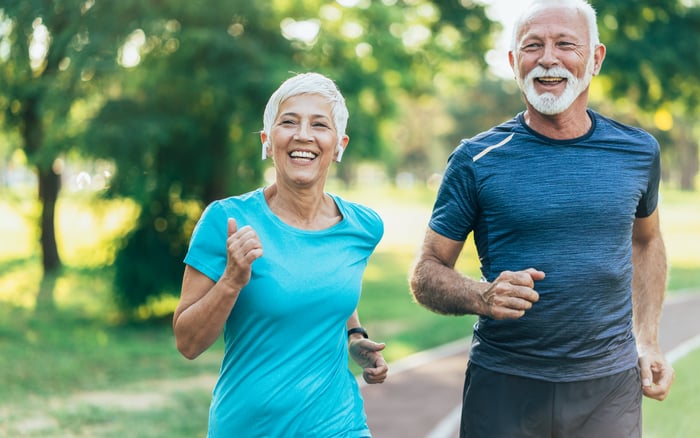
(308,83)
(580,5)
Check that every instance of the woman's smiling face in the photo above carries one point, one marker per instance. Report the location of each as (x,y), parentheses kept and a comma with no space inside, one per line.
(303,139)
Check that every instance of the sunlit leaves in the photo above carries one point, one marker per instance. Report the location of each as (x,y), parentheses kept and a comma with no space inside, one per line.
(663,119)
(652,50)
(129,55)
(303,30)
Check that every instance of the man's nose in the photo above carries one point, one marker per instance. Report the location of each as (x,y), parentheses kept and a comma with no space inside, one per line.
(549,56)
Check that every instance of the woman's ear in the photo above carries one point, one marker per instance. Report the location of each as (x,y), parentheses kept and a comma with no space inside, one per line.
(265,144)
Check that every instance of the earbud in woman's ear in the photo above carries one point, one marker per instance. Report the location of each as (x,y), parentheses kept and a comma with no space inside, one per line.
(340,149)
(265,145)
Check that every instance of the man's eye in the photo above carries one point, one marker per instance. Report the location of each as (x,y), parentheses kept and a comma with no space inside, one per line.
(531,47)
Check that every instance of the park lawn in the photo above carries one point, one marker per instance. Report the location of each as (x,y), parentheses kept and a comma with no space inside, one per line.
(75,370)
(65,373)
(677,416)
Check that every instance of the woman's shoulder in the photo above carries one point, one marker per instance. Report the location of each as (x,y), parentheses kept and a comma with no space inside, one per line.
(356,208)
(360,216)
(244,200)
(236,206)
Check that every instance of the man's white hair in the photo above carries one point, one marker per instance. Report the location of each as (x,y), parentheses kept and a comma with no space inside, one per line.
(579,5)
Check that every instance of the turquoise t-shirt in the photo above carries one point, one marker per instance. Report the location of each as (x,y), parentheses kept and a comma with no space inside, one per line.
(285,367)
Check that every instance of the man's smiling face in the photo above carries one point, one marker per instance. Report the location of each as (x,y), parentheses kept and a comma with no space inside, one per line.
(553,63)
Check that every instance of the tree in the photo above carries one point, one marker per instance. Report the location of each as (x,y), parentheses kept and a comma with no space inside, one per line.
(182,125)
(182,128)
(51,51)
(652,61)
(386,54)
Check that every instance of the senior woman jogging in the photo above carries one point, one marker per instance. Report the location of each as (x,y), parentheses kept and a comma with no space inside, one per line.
(279,271)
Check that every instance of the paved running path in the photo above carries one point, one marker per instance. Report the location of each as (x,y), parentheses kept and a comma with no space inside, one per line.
(422,391)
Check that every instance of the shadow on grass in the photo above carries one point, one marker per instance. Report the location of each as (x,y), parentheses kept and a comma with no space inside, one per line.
(12,265)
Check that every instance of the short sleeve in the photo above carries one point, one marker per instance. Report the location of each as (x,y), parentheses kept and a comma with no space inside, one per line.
(650,198)
(207,250)
(455,208)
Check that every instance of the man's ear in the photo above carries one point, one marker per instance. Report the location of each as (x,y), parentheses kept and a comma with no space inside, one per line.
(598,57)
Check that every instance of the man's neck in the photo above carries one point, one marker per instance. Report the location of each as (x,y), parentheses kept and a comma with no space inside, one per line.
(572,123)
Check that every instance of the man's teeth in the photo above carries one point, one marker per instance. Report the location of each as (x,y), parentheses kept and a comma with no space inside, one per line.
(549,79)
(303,154)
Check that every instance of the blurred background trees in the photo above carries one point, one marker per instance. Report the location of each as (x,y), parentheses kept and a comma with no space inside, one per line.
(163,100)
(651,70)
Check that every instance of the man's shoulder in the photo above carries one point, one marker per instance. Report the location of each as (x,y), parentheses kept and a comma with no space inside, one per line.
(610,127)
(489,139)
(496,133)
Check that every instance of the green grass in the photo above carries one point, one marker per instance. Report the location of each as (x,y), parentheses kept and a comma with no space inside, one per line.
(677,415)
(64,374)
(73,370)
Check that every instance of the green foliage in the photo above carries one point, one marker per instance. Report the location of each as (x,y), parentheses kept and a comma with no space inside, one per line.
(150,263)
(182,124)
(652,61)
(53,55)
(55,52)
(175,133)
(172,92)
(646,57)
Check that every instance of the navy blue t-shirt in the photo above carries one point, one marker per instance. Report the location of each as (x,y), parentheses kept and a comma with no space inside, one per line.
(565,207)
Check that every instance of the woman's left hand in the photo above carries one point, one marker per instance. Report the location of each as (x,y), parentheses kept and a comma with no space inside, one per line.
(367,354)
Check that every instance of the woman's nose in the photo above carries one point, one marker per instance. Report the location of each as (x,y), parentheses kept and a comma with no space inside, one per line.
(303,131)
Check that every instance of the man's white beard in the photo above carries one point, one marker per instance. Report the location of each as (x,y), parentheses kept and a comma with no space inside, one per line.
(548,103)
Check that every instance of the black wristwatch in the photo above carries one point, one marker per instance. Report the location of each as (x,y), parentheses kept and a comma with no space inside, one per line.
(358,330)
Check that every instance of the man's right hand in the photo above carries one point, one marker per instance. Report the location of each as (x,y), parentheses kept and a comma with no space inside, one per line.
(511,294)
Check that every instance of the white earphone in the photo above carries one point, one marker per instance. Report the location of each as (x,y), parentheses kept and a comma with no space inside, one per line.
(340,150)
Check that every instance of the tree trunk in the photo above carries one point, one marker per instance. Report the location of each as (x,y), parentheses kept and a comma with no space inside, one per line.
(688,152)
(686,148)
(49,187)
(49,183)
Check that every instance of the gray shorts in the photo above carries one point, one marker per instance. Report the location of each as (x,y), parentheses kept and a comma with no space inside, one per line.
(501,405)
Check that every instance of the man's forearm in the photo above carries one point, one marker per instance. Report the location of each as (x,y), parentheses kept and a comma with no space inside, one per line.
(444,290)
(648,288)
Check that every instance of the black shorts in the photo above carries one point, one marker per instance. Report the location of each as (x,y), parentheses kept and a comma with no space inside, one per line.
(502,405)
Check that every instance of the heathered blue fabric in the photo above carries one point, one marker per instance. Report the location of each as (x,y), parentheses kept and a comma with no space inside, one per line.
(566,208)
(285,366)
